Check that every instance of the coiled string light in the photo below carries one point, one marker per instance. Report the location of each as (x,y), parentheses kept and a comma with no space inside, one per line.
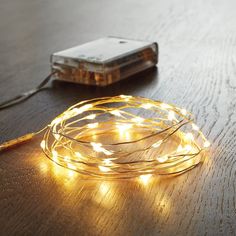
(124,136)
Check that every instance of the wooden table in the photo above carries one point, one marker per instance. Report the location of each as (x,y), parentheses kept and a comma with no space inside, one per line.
(197,70)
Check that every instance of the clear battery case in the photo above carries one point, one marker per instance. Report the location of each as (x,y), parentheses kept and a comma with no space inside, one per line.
(104,61)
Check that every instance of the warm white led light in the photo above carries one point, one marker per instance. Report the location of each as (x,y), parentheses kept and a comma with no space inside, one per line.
(138,119)
(157,144)
(123,127)
(43,144)
(54,155)
(98,148)
(77,154)
(115,112)
(184,111)
(104,169)
(188,148)
(92,125)
(82,109)
(91,117)
(195,127)
(189,136)
(107,162)
(147,105)
(162,158)
(165,106)
(114,141)
(144,179)
(206,144)
(171,115)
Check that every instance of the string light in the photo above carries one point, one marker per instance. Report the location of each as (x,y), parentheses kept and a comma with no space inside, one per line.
(124,136)
(145,178)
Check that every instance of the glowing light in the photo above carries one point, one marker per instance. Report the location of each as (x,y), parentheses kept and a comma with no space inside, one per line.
(98,148)
(82,109)
(124,127)
(43,167)
(70,166)
(171,115)
(137,119)
(104,188)
(92,125)
(77,154)
(91,117)
(206,144)
(115,113)
(188,148)
(147,105)
(145,178)
(57,136)
(104,168)
(195,127)
(108,153)
(95,148)
(180,148)
(162,158)
(70,172)
(165,106)
(107,162)
(125,96)
(189,136)
(57,120)
(183,111)
(157,144)
(43,144)
(54,155)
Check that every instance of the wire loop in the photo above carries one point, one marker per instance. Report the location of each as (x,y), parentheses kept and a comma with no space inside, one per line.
(124,136)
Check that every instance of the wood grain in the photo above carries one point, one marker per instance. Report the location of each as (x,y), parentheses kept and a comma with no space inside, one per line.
(197,70)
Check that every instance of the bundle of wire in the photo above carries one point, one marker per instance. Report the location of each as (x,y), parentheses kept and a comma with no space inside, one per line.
(124,136)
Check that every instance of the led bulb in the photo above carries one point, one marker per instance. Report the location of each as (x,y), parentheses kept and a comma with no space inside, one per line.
(206,144)
(162,158)
(115,112)
(137,119)
(147,105)
(91,117)
(157,144)
(171,116)
(145,178)
(183,111)
(126,139)
(104,168)
(43,144)
(189,136)
(195,127)
(92,125)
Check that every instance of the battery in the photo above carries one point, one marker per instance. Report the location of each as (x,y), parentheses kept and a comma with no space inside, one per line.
(104,61)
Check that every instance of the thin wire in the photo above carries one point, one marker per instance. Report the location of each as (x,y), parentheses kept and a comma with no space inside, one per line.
(18,99)
(164,140)
(172,144)
(24,96)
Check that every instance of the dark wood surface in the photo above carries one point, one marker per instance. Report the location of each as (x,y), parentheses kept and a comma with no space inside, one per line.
(197,70)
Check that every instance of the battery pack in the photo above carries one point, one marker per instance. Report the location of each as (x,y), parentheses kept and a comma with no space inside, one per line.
(104,61)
